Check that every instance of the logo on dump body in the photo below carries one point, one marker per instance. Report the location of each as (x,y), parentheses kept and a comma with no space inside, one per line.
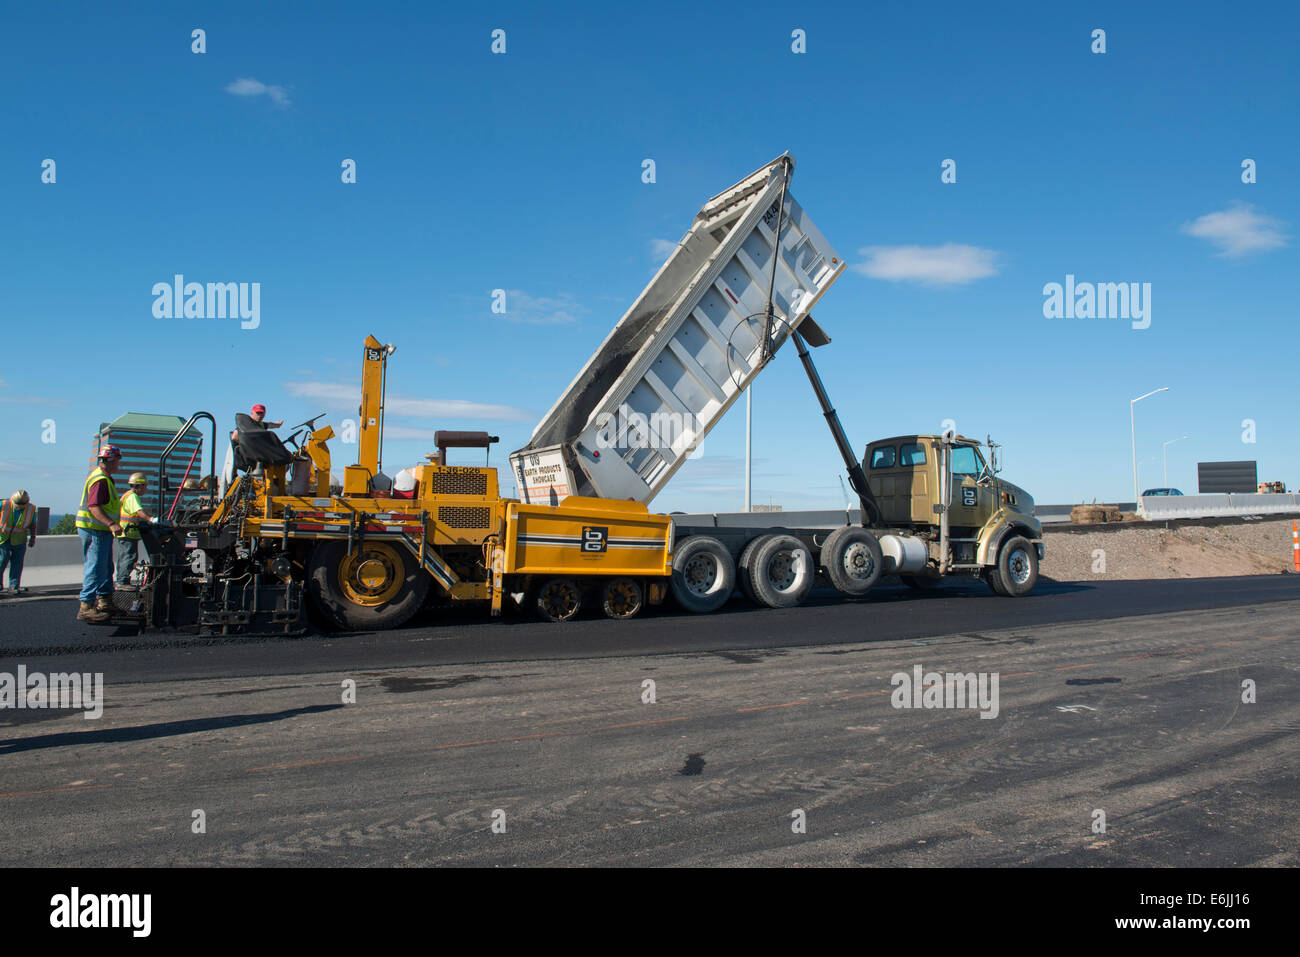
(595,538)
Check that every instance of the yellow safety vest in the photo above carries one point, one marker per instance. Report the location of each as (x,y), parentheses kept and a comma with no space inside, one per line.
(131,526)
(13,531)
(113,508)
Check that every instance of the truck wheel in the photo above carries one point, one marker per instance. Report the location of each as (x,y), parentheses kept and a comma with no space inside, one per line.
(743,566)
(1016,572)
(558,599)
(704,574)
(622,598)
(852,560)
(781,571)
(376,586)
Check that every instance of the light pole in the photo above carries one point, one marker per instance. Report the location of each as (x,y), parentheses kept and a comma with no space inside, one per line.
(1165,455)
(1132,422)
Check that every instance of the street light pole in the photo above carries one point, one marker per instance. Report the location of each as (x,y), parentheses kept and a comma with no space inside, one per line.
(1165,455)
(1132,422)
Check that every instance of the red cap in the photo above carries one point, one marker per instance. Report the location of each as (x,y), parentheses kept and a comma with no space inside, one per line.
(259,408)
(110,452)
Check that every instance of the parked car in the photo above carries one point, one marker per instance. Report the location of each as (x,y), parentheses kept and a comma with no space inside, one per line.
(1161,491)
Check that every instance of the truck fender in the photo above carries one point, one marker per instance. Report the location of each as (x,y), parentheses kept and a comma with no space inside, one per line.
(987,553)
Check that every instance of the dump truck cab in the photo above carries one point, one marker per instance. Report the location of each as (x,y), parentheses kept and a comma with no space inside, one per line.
(946,490)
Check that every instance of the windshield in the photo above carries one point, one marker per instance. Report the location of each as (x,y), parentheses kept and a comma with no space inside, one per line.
(966,460)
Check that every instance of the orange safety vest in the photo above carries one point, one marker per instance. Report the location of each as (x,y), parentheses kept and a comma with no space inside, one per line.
(15,522)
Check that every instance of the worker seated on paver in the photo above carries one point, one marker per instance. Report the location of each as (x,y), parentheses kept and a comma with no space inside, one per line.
(257,445)
(248,428)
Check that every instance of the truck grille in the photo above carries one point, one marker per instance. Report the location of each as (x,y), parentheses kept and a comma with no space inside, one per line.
(458,483)
(465,516)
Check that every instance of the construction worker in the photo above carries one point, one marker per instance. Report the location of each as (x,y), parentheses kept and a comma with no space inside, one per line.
(258,414)
(97,523)
(136,525)
(17,533)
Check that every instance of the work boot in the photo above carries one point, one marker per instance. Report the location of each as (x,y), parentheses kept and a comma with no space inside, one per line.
(91,614)
(105,604)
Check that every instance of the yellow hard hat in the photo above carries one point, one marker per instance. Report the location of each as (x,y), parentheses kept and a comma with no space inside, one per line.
(19,497)
(138,478)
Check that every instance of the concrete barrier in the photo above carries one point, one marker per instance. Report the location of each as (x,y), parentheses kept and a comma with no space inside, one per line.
(55,560)
(1158,508)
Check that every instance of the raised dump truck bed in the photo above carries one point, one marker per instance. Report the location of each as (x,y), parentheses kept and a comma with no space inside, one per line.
(687,348)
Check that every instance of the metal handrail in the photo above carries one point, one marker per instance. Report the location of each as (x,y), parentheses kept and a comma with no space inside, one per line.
(162,459)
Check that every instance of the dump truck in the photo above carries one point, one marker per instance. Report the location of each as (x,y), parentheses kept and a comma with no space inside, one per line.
(283,542)
(741,283)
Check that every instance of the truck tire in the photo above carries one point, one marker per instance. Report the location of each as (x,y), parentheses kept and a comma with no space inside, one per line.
(742,568)
(1016,572)
(377,585)
(621,598)
(852,560)
(781,571)
(704,574)
(557,599)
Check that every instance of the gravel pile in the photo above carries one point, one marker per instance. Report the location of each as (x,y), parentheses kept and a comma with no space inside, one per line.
(1156,551)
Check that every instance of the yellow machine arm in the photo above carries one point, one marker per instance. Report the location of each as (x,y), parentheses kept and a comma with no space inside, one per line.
(356,478)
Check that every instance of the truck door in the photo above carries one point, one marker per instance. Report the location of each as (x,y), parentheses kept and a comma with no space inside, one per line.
(972,503)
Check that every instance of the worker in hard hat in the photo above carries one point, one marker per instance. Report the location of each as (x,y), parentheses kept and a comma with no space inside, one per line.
(97,523)
(136,526)
(17,533)
(258,415)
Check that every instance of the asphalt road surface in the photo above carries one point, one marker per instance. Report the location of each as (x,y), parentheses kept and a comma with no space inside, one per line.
(1114,699)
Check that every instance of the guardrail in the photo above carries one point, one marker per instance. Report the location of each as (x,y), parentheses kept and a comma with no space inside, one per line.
(1157,508)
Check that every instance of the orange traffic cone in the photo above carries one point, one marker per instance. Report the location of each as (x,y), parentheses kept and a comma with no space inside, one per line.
(1295,544)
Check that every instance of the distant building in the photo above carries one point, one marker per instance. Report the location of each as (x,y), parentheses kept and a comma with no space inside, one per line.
(766,508)
(142,438)
(1214,477)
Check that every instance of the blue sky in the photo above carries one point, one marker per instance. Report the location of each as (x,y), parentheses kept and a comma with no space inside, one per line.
(522,171)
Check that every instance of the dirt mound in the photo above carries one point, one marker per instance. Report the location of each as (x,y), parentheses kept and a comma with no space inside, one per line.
(1153,551)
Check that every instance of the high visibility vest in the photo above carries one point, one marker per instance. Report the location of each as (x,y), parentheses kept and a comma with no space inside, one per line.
(131,526)
(14,522)
(113,508)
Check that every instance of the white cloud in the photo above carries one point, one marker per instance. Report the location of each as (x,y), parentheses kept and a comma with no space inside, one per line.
(949,264)
(1238,231)
(661,249)
(247,86)
(350,397)
(539,310)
